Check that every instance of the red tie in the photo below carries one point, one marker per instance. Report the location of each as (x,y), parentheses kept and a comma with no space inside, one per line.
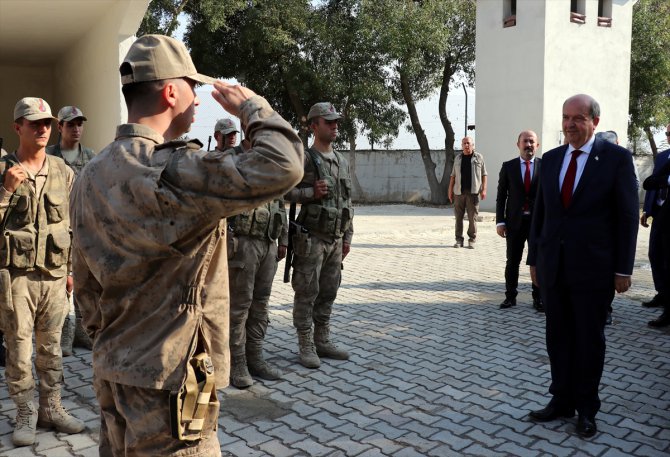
(526,185)
(569,179)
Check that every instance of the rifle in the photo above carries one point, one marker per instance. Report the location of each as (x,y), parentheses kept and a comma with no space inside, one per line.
(289,249)
(209,143)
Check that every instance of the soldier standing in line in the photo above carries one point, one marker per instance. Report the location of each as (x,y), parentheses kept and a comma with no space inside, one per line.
(34,271)
(225,134)
(252,263)
(69,148)
(149,251)
(324,240)
(2,346)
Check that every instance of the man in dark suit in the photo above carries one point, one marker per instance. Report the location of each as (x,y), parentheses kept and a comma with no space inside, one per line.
(658,184)
(653,201)
(517,186)
(581,250)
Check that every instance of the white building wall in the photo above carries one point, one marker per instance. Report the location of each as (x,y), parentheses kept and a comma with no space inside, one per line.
(509,82)
(586,58)
(83,72)
(525,72)
(88,74)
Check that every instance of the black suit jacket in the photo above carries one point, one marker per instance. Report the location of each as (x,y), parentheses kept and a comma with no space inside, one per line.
(512,194)
(597,234)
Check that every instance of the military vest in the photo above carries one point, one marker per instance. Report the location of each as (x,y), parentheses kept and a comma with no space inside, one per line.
(332,214)
(36,231)
(84,157)
(265,222)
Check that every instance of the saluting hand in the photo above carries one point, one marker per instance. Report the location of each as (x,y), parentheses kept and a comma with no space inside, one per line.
(231,96)
(13,178)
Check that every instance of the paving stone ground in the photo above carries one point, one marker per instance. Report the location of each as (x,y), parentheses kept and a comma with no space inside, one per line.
(436,368)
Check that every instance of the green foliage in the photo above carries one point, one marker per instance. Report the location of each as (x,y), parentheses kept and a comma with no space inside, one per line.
(298,52)
(650,66)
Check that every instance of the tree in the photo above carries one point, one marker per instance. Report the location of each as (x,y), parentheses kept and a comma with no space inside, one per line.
(162,16)
(649,104)
(427,43)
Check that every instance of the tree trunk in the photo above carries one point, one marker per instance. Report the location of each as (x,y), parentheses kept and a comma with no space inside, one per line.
(174,21)
(298,108)
(448,128)
(652,141)
(437,196)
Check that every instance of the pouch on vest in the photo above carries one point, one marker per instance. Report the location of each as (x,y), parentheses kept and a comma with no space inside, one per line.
(243,223)
(346,188)
(309,216)
(22,247)
(277,224)
(347,216)
(302,244)
(259,226)
(194,410)
(328,220)
(55,207)
(21,213)
(58,248)
(4,250)
(6,303)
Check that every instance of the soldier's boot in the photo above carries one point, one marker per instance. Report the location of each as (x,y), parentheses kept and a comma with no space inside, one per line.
(81,338)
(325,347)
(67,336)
(257,364)
(308,356)
(26,422)
(52,414)
(239,373)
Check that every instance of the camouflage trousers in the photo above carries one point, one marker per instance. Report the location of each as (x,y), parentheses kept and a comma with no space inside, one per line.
(136,422)
(252,264)
(35,304)
(316,277)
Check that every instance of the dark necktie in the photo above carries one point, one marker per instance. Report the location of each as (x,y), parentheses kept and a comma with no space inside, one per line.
(569,179)
(526,185)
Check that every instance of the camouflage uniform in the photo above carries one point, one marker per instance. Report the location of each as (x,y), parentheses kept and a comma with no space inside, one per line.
(150,259)
(317,260)
(252,261)
(34,263)
(73,332)
(84,157)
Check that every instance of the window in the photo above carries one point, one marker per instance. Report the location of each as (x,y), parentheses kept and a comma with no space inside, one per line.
(604,13)
(578,11)
(509,13)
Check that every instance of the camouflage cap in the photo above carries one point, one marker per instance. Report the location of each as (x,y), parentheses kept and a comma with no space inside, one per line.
(68,113)
(158,57)
(225,126)
(325,110)
(32,109)
(609,135)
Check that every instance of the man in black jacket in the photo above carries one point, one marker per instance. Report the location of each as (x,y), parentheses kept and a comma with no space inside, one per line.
(517,186)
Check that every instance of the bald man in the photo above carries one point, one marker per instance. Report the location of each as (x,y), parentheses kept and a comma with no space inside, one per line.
(517,186)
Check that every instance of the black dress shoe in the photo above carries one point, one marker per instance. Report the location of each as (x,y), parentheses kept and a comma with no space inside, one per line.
(538,305)
(653,303)
(586,427)
(550,413)
(662,321)
(508,303)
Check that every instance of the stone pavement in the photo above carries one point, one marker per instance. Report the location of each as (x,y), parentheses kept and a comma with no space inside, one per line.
(436,368)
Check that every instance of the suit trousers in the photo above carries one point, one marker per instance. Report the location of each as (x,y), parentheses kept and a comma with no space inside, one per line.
(516,239)
(470,203)
(657,260)
(575,332)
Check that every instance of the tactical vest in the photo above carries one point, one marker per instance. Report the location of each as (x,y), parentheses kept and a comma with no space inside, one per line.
(332,214)
(84,157)
(264,222)
(36,231)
